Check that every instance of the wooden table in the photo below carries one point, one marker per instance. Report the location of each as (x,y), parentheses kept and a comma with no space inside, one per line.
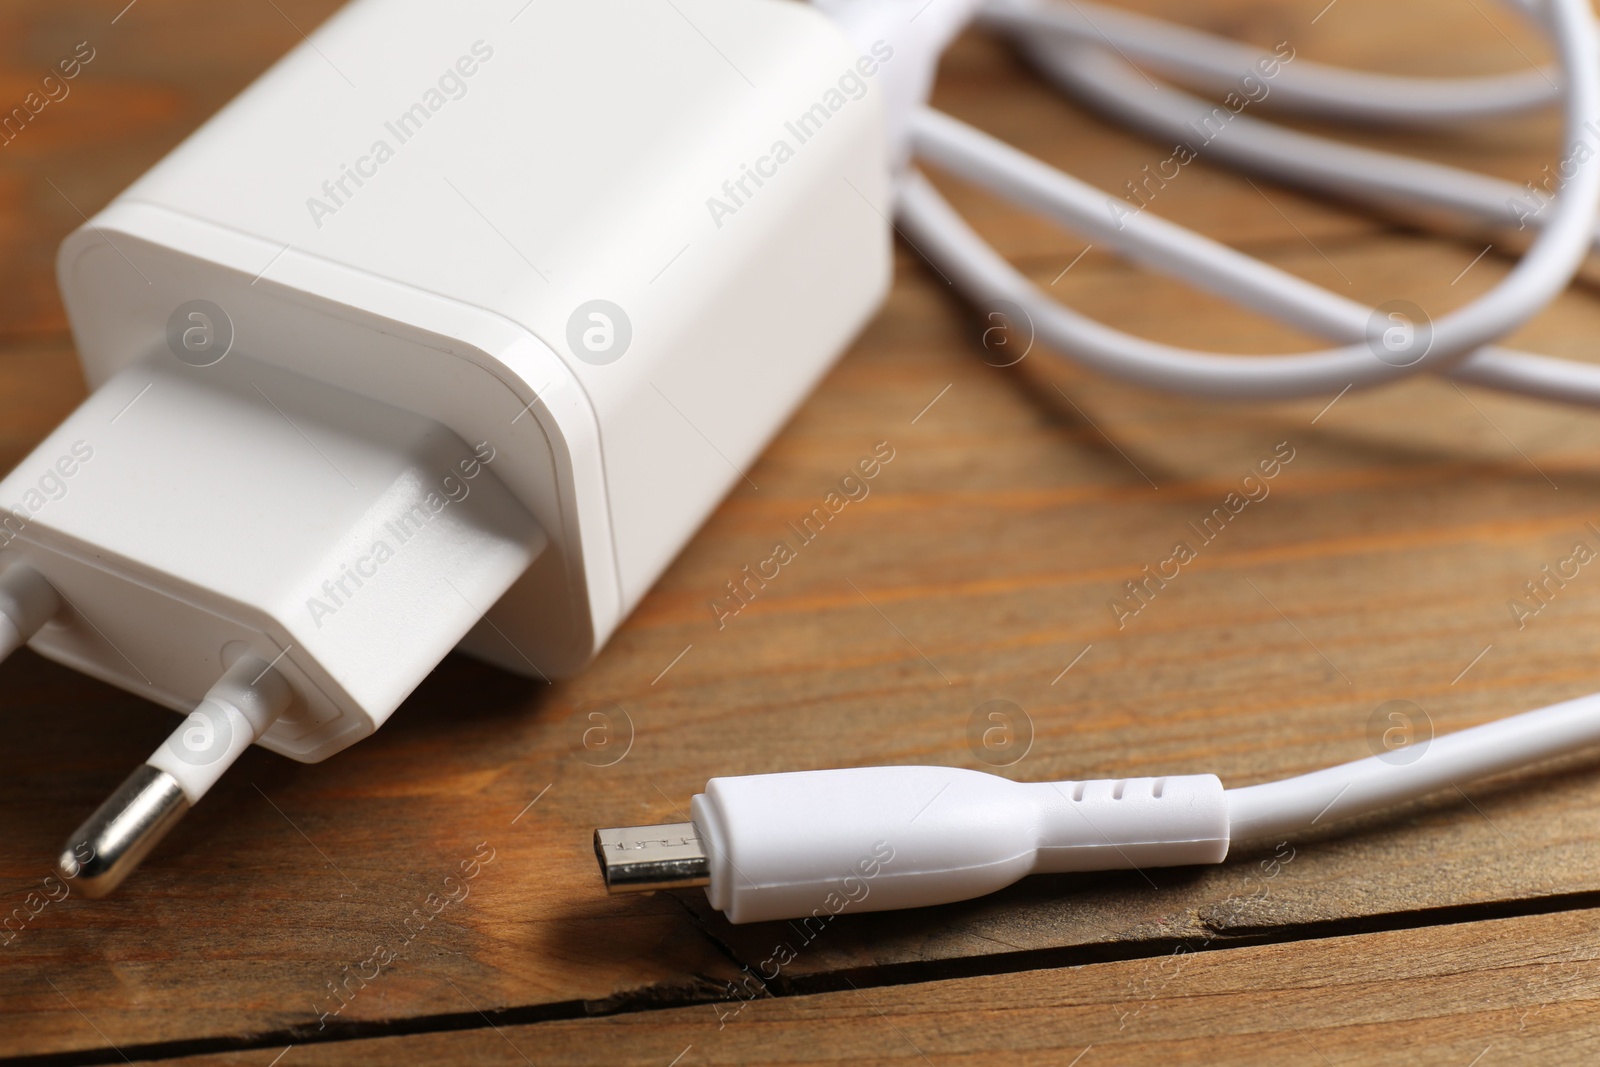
(1462,930)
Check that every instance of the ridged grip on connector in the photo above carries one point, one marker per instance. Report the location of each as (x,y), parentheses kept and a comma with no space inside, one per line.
(818,843)
(1129,823)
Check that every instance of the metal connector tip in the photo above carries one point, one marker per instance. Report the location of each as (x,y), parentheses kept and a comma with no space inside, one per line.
(122,831)
(635,859)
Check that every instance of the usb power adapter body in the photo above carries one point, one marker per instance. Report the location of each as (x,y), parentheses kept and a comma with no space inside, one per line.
(448,332)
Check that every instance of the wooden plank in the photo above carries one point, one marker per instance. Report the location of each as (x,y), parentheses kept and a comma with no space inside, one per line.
(1511,991)
(982,563)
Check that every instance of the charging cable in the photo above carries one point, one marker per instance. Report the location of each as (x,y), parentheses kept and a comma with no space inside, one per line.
(813,843)
(809,843)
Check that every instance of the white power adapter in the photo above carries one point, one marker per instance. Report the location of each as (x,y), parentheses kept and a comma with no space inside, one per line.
(448,332)
(452,329)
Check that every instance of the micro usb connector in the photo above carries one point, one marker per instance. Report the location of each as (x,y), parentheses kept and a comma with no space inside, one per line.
(787,846)
(636,859)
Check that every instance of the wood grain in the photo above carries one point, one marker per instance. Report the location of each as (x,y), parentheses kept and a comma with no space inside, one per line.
(1513,991)
(978,569)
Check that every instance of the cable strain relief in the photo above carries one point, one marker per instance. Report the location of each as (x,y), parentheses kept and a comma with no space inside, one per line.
(1131,823)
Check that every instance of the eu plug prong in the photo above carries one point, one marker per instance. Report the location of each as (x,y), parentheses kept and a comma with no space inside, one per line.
(123,830)
(27,602)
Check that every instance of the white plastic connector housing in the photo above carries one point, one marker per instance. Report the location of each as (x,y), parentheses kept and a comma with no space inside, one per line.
(816,843)
(400,230)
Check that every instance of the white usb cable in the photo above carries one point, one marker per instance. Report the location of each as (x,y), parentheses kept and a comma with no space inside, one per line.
(1542,274)
(811,844)
(1215,64)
